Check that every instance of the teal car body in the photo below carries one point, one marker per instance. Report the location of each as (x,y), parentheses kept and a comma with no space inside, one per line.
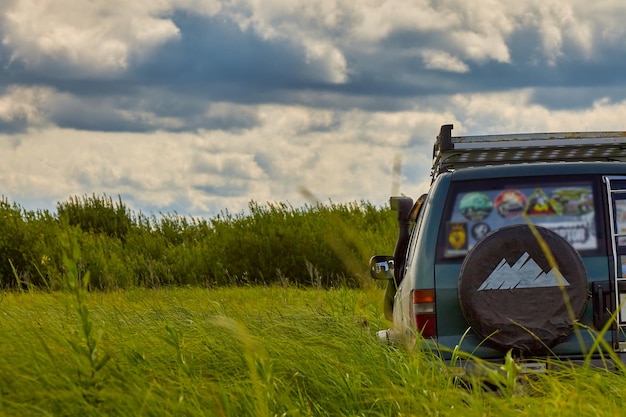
(463,205)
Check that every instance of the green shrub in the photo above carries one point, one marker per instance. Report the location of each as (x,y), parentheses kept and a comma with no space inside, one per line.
(26,238)
(319,245)
(97,214)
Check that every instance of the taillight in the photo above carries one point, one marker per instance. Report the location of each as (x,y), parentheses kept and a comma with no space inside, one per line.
(424,312)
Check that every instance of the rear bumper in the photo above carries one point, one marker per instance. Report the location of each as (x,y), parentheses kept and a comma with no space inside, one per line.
(475,367)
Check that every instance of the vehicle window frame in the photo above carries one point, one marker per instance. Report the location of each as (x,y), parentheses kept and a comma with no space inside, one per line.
(525,182)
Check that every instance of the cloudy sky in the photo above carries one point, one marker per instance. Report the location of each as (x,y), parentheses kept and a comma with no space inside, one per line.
(199,106)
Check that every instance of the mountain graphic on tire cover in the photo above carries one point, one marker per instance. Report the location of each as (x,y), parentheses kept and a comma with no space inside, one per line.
(525,273)
(510,294)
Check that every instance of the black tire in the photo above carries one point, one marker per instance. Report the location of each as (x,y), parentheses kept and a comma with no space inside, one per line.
(509,294)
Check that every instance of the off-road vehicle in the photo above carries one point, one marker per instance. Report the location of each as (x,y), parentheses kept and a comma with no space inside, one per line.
(519,246)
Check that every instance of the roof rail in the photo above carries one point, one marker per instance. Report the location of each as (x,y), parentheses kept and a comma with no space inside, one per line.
(451,153)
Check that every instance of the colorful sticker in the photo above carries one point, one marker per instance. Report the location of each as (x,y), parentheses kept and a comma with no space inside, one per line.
(475,206)
(480,230)
(577,234)
(510,204)
(572,201)
(457,236)
(539,204)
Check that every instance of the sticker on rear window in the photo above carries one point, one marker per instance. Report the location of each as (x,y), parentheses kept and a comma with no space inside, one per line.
(480,230)
(577,234)
(475,206)
(457,236)
(564,206)
(510,204)
(540,205)
(572,201)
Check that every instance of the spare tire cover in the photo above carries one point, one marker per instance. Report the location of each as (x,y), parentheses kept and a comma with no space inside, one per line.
(510,294)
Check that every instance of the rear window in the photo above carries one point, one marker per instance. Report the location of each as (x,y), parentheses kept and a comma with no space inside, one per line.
(566,205)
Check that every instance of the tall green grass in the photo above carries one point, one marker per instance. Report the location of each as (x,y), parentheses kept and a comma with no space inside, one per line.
(278,350)
(183,330)
(249,351)
(322,245)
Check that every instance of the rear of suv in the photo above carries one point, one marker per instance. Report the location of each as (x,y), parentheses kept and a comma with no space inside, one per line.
(519,246)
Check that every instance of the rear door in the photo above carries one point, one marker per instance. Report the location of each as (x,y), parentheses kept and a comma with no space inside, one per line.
(568,205)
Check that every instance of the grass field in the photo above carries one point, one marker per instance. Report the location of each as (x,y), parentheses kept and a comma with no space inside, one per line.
(248,351)
(104,312)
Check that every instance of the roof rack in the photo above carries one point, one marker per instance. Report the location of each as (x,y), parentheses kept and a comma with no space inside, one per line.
(451,153)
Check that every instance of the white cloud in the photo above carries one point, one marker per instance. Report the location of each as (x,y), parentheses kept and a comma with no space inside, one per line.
(481,47)
(189,171)
(443,61)
(96,37)
(560,21)
(104,36)
(305,25)
(27,103)
(514,112)
(342,150)
(204,173)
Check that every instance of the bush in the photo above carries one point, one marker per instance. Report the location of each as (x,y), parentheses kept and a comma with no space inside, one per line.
(26,239)
(97,214)
(320,245)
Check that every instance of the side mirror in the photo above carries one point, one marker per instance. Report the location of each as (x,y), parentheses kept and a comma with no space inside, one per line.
(382,266)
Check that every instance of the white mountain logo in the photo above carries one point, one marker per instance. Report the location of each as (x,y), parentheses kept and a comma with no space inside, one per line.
(525,273)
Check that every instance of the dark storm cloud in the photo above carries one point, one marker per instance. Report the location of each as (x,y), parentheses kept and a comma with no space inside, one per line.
(147,112)
(392,73)
(83,115)
(214,60)
(572,98)
(574,80)
(17,125)
(578,83)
